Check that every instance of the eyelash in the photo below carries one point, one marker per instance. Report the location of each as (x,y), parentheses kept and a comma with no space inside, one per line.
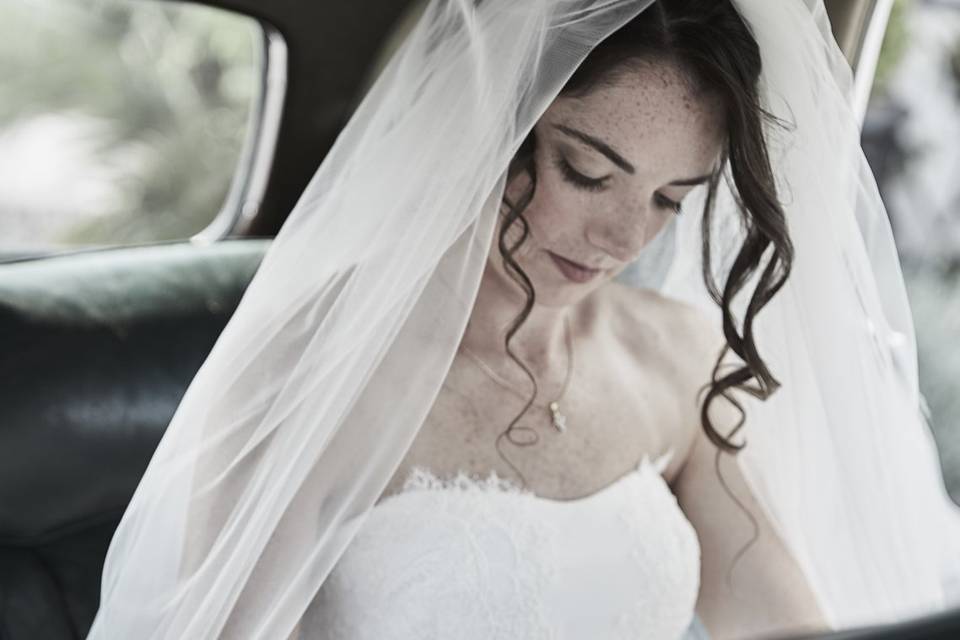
(578,179)
(667,203)
(596,184)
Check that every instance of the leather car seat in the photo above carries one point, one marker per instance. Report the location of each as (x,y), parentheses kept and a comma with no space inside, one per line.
(97,350)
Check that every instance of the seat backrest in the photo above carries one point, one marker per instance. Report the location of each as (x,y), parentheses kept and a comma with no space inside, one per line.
(96,350)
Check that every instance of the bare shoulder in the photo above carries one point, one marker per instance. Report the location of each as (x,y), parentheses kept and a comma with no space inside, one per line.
(677,339)
(649,319)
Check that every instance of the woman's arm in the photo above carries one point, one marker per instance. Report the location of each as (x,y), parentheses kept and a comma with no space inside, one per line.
(765,590)
(762,590)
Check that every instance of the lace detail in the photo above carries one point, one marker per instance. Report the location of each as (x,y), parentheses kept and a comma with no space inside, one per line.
(440,560)
(469,558)
(421,479)
(660,556)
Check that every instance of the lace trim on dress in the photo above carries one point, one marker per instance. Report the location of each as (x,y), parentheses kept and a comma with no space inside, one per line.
(420,479)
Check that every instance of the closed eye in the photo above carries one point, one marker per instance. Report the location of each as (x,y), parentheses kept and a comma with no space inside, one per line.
(576,178)
(667,203)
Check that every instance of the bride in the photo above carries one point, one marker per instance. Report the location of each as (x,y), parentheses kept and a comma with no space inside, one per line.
(641,124)
(446,409)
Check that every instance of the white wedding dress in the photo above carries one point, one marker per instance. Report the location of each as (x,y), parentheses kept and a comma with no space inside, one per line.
(473,559)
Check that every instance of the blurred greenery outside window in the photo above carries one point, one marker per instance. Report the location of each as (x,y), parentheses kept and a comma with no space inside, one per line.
(121,121)
(911,138)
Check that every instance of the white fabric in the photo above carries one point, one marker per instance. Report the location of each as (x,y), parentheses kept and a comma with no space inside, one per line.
(482,559)
(307,404)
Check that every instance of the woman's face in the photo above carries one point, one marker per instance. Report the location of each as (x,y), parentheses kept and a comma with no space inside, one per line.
(612,168)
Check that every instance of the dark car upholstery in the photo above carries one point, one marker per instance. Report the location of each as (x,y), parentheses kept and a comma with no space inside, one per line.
(98,349)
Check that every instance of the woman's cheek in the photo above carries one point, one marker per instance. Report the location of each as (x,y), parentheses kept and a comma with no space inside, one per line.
(560,209)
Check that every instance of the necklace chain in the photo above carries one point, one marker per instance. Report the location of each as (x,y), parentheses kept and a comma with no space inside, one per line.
(558,418)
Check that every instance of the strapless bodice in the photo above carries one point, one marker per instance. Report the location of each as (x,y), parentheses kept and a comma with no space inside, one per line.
(481,558)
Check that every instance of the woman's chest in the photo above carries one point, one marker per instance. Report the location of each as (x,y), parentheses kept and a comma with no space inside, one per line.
(614,411)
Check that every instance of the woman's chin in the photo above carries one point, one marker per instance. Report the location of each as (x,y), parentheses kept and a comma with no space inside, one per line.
(553,289)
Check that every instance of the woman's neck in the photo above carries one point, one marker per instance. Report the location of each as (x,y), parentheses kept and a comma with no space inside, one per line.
(539,342)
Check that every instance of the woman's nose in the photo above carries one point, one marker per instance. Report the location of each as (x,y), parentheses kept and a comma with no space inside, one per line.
(623,234)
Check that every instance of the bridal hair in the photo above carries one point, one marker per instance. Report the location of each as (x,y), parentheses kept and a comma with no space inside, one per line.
(710,42)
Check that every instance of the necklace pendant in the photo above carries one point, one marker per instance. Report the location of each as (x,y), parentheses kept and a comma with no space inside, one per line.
(559,420)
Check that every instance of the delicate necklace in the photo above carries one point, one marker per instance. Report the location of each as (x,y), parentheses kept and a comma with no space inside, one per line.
(559,419)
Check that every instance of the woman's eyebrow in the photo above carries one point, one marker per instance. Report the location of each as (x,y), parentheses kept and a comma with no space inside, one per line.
(597,144)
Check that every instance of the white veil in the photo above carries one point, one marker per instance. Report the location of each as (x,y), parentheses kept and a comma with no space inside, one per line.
(310,398)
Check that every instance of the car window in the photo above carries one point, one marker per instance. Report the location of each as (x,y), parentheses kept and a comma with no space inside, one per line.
(121,121)
(911,134)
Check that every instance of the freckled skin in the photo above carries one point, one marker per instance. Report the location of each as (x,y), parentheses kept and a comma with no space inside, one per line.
(655,120)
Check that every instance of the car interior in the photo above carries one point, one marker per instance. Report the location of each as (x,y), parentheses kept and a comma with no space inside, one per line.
(100,344)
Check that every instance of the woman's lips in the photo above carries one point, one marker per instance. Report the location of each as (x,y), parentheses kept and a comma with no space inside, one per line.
(573,271)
